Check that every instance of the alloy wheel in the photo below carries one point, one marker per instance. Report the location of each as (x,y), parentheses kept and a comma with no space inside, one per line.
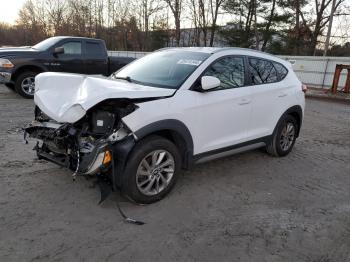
(155,172)
(28,85)
(287,136)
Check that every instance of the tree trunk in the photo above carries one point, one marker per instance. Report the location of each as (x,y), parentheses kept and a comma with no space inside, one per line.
(214,19)
(177,31)
(256,26)
(268,25)
(297,27)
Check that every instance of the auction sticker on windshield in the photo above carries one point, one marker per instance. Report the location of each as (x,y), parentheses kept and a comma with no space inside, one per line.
(189,62)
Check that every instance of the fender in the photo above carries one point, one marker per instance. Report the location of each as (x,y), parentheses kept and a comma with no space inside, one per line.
(32,64)
(292,110)
(175,126)
(19,69)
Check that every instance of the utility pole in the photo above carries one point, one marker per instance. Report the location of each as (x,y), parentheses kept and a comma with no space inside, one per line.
(326,45)
(297,27)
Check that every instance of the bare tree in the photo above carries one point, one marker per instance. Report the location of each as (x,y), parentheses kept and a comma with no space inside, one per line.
(56,14)
(318,23)
(176,8)
(146,11)
(203,19)
(195,21)
(215,6)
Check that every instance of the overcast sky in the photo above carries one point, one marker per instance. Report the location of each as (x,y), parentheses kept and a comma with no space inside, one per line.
(9,10)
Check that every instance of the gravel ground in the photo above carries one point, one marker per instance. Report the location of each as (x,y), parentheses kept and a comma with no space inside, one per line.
(248,207)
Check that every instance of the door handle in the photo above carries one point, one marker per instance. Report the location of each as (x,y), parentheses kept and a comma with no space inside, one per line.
(282,95)
(244,101)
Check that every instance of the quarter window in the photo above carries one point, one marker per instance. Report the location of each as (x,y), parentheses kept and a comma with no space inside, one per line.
(262,71)
(230,71)
(281,70)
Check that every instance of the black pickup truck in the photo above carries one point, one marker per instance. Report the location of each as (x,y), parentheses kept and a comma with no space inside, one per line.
(19,66)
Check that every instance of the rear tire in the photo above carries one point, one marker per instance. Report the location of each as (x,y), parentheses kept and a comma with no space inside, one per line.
(284,137)
(152,170)
(25,85)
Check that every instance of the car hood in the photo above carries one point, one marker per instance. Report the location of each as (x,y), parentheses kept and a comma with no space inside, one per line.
(14,51)
(66,97)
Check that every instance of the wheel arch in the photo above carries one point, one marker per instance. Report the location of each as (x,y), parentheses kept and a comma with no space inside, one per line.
(175,131)
(295,111)
(26,68)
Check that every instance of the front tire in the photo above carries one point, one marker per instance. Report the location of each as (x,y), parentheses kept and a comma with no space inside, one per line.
(152,170)
(284,137)
(25,84)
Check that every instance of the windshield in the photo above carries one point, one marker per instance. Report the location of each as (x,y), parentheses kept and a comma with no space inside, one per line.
(46,44)
(165,69)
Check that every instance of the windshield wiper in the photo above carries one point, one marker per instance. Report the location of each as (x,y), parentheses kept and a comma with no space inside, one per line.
(127,78)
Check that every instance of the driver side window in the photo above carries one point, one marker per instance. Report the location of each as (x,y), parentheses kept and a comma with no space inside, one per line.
(72,48)
(230,71)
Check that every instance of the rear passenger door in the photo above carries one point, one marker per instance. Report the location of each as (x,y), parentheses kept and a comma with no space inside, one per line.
(95,58)
(270,95)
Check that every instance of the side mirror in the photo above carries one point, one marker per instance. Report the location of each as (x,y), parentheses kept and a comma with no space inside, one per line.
(209,82)
(58,50)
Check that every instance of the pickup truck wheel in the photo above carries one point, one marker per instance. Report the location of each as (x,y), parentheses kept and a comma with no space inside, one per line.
(152,170)
(284,137)
(25,84)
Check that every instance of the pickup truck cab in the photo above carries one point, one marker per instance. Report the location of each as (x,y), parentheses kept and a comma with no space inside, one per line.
(19,66)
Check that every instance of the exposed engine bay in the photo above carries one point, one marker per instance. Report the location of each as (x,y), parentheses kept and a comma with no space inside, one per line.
(86,146)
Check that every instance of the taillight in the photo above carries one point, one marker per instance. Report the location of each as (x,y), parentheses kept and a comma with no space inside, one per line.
(304,88)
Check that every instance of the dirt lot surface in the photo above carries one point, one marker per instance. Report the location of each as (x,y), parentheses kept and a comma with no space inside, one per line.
(248,207)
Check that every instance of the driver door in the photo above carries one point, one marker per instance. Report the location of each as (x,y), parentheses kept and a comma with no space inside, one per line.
(71,60)
(223,113)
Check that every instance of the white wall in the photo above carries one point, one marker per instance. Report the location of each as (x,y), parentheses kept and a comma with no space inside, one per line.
(315,71)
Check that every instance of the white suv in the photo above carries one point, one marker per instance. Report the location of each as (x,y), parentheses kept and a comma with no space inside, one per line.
(164,112)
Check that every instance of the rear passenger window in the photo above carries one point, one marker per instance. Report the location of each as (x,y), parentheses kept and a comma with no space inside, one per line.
(230,71)
(262,71)
(94,50)
(281,70)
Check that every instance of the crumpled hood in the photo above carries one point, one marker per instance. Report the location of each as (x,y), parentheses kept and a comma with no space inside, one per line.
(66,97)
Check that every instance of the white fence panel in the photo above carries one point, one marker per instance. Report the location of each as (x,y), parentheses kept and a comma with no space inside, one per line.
(318,71)
(133,54)
(315,71)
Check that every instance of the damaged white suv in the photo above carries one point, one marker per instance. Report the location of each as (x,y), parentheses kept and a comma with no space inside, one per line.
(164,112)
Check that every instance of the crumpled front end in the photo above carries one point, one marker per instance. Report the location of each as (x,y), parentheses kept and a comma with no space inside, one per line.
(87,146)
(67,97)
